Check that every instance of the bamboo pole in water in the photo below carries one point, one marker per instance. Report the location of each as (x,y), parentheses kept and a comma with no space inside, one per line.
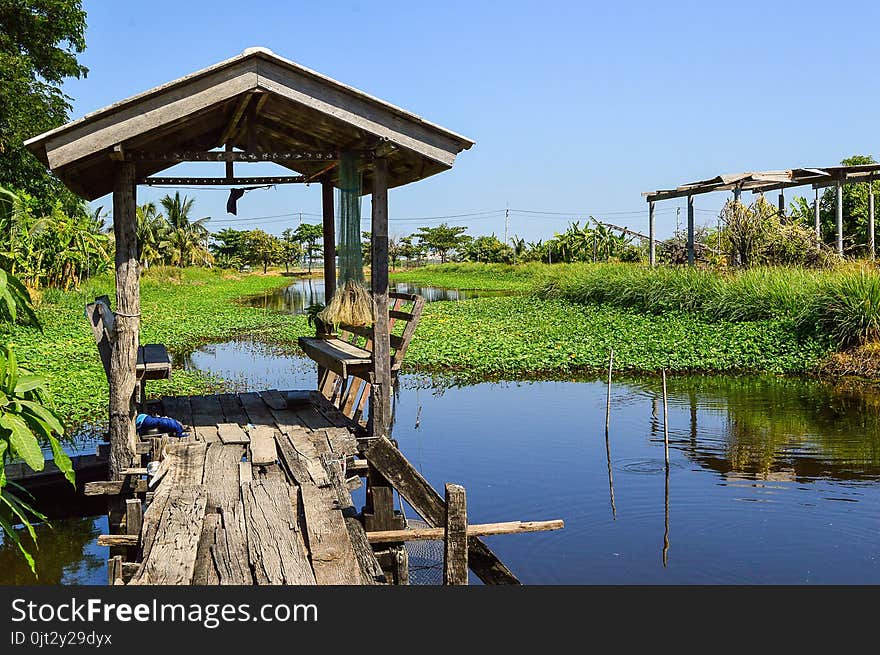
(665,422)
(608,401)
(608,440)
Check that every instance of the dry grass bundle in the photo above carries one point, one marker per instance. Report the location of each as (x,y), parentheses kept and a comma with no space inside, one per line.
(351,305)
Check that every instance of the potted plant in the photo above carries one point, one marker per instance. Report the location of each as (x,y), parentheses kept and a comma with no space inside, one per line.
(323,330)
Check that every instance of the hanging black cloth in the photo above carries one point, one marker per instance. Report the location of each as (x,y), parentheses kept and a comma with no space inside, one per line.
(234,195)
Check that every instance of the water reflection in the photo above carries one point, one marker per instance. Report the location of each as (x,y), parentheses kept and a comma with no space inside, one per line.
(67,554)
(295,297)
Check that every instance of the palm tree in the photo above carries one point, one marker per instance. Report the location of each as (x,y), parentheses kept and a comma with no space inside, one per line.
(151,231)
(186,239)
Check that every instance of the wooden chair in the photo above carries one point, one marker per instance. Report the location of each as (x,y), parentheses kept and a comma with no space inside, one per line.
(345,363)
(153,361)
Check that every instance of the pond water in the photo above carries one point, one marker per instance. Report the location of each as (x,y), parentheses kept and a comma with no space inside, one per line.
(303,292)
(772,480)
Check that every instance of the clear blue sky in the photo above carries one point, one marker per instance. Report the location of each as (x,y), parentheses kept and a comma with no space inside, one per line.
(576,107)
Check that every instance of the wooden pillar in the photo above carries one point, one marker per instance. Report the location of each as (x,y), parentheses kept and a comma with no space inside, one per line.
(817,217)
(329,239)
(690,244)
(380,391)
(839,223)
(781,203)
(871,248)
(230,171)
(455,556)
(123,357)
(652,248)
(737,192)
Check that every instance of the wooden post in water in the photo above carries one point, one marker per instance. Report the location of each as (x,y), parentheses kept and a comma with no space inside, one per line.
(839,221)
(652,246)
(608,437)
(123,356)
(329,239)
(665,422)
(690,237)
(380,391)
(871,248)
(455,560)
(608,398)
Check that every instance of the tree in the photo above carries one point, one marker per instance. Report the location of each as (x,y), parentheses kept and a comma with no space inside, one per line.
(308,234)
(291,248)
(409,250)
(229,247)
(186,241)
(442,239)
(486,249)
(39,44)
(262,248)
(151,232)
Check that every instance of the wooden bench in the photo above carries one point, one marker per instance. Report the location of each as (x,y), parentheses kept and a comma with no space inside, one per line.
(153,361)
(346,362)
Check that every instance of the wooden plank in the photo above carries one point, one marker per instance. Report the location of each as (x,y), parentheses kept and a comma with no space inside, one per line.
(232,409)
(476,530)
(229,550)
(206,414)
(298,451)
(114,570)
(205,572)
(178,407)
(275,546)
(455,553)
(232,433)
(274,399)
(245,472)
(134,516)
(172,558)
(222,474)
(262,448)
(391,463)
(113,487)
(256,409)
(371,570)
(118,540)
(330,550)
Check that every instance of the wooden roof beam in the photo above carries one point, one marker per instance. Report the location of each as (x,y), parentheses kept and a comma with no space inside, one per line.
(223,156)
(235,119)
(222,181)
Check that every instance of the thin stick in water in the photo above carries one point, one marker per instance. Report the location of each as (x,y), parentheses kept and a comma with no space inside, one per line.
(608,401)
(665,421)
(608,440)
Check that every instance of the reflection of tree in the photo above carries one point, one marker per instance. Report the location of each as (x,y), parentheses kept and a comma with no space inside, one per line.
(61,555)
(834,430)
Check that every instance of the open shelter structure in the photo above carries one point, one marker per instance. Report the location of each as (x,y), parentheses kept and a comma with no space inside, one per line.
(760,182)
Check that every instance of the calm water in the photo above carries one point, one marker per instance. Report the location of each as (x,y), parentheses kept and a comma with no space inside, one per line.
(773,480)
(295,297)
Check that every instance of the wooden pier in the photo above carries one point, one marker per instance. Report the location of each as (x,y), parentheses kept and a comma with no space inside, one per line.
(256,494)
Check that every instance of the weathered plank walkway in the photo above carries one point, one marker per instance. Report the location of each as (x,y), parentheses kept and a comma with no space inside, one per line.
(255,495)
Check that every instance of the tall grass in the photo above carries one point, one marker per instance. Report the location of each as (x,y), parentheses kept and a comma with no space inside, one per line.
(842,305)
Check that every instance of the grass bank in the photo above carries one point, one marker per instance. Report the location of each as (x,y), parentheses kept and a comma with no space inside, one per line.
(182,308)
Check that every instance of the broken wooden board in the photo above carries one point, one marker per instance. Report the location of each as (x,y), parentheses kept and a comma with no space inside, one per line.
(222,474)
(275,545)
(232,433)
(262,448)
(391,463)
(205,573)
(229,550)
(172,558)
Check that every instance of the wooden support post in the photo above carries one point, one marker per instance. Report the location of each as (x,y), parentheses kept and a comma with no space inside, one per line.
(134,521)
(114,570)
(329,239)
(737,192)
(817,217)
(690,243)
(839,222)
(455,567)
(123,357)
(230,172)
(781,203)
(652,247)
(380,391)
(871,248)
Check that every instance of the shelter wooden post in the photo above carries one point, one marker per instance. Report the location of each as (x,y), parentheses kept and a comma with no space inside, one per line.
(871,248)
(817,217)
(737,192)
(652,249)
(380,391)
(123,357)
(839,222)
(690,243)
(781,203)
(329,239)
(455,555)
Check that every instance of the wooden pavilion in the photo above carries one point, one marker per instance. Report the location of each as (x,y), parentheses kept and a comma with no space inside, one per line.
(255,107)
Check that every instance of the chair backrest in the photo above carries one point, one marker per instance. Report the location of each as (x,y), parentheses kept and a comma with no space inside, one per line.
(102,322)
(350,394)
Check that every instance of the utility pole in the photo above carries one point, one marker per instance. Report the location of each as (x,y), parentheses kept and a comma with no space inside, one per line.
(506,222)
